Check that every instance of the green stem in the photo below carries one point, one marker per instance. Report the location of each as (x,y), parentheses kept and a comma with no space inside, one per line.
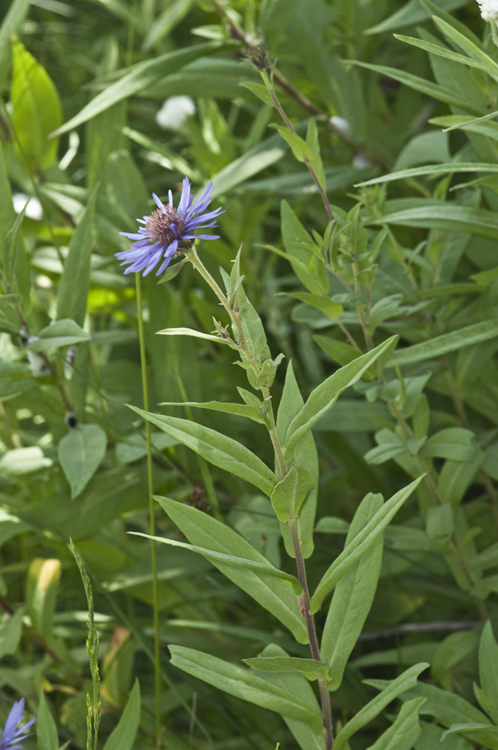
(152,519)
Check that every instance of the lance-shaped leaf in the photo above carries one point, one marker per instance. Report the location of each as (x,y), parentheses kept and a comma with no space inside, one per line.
(447,342)
(488,667)
(485,735)
(435,169)
(353,596)
(405,731)
(123,736)
(239,562)
(327,393)
(310,668)
(295,684)
(216,448)
(360,544)
(61,333)
(244,684)
(195,334)
(404,682)
(240,410)
(289,495)
(208,533)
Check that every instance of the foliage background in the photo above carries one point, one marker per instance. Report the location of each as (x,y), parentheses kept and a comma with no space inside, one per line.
(438,256)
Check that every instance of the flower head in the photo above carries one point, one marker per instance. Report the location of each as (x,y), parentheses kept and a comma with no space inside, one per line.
(489,9)
(11,733)
(169,230)
(175,111)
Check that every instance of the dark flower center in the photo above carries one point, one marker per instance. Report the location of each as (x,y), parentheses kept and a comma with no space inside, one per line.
(159,225)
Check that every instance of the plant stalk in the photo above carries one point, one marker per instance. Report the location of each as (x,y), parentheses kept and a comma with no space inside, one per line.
(152,519)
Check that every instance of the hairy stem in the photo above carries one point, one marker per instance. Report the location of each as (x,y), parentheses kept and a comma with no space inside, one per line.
(152,519)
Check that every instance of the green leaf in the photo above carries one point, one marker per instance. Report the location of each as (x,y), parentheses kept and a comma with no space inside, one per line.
(10,633)
(216,448)
(166,22)
(353,596)
(455,443)
(75,280)
(139,79)
(326,394)
(299,147)
(46,729)
(332,525)
(295,684)
(404,682)
(405,731)
(488,667)
(321,302)
(208,533)
(22,461)
(195,334)
(36,110)
(451,217)
(60,333)
(486,65)
(440,522)
(434,169)
(447,342)
(11,24)
(80,454)
(339,351)
(483,734)
(244,684)
(308,667)
(409,14)
(434,90)
(42,586)
(290,494)
(260,91)
(239,562)
(241,410)
(123,736)
(360,544)
(305,455)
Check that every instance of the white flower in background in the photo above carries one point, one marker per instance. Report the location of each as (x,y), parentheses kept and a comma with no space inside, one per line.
(361,162)
(341,125)
(34,209)
(175,111)
(489,9)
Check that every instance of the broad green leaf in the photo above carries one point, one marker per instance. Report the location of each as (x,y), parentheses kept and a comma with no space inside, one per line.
(433,90)
(405,731)
(402,683)
(139,79)
(447,342)
(290,494)
(305,455)
(80,454)
(488,667)
(360,544)
(216,448)
(451,217)
(60,333)
(124,735)
(455,443)
(332,525)
(308,667)
(299,147)
(433,169)
(46,729)
(243,684)
(10,633)
(353,596)
(75,280)
(241,410)
(327,393)
(238,562)
(297,685)
(332,309)
(36,110)
(204,531)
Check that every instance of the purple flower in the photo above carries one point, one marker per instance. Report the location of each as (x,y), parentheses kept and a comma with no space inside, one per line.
(11,733)
(168,230)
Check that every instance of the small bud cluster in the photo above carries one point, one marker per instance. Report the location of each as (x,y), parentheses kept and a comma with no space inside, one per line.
(259,57)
